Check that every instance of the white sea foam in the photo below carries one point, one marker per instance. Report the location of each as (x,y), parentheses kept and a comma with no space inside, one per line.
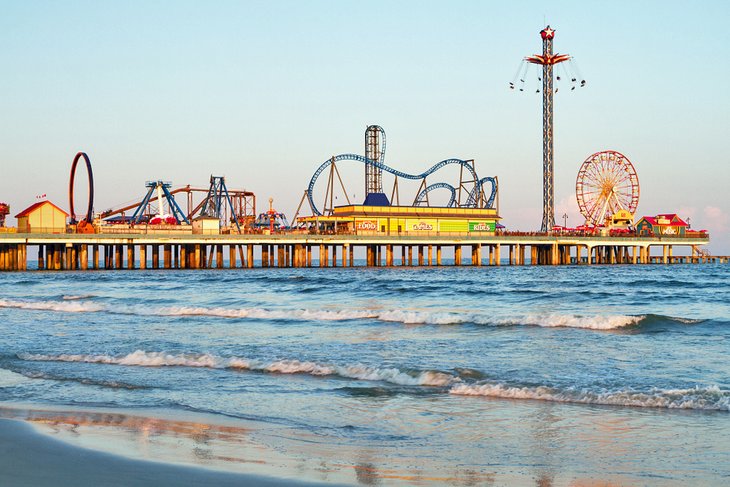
(707,398)
(396,376)
(687,321)
(261,313)
(137,358)
(64,306)
(424,317)
(597,322)
(160,359)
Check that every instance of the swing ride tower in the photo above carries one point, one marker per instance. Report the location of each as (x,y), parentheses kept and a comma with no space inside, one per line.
(547,60)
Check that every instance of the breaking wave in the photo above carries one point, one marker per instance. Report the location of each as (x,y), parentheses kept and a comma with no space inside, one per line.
(67,306)
(700,398)
(76,304)
(74,297)
(610,322)
(705,398)
(262,313)
(142,358)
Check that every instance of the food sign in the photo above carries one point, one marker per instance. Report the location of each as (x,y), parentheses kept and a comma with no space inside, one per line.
(366,226)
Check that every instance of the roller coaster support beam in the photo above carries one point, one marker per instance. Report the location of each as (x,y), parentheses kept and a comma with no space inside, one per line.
(217,194)
(139,212)
(174,207)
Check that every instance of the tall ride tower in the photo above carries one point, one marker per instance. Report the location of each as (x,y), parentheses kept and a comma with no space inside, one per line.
(374,151)
(547,60)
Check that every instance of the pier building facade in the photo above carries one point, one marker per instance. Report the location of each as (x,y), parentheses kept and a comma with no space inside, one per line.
(187,251)
(406,220)
(42,217)
(665,224)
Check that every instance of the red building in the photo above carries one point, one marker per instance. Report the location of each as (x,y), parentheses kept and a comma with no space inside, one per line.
(669,224)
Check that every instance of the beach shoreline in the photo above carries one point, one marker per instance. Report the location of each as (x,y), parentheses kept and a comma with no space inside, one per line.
(29,457)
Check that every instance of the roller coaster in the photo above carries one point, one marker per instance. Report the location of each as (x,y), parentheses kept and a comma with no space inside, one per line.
(468,193)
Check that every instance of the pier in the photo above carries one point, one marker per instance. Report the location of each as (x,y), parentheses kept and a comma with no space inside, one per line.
(185,251)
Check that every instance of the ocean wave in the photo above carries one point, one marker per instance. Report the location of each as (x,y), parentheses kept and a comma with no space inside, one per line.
(545,320)
(77,304)
(111,384)
(74,297)
(704,398)
(456,383)
(262,313)
(143,358)
(66,306)
(598,322)
(8,378)
(650,319)
(411,317)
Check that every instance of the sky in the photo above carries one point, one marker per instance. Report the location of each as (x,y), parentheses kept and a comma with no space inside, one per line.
(263,92)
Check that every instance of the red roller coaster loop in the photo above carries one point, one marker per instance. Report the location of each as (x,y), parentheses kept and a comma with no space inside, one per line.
(89,212)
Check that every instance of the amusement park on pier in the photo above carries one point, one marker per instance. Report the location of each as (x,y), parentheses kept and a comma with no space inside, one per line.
(404,219)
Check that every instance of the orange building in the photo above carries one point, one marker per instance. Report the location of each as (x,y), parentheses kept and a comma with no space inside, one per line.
(42,217)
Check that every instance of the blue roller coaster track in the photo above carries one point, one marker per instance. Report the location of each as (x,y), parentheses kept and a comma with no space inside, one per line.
(422,199)
(471,201)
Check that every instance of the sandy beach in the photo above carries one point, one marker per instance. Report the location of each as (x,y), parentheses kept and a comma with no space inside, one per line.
(30,458)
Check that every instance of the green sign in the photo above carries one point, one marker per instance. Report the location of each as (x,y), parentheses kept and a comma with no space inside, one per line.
(482,226)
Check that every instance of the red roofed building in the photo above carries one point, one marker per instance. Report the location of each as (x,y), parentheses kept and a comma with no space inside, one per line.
(668,224)
(42,217)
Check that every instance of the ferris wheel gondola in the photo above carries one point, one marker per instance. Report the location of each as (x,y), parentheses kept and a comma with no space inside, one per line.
(606,183)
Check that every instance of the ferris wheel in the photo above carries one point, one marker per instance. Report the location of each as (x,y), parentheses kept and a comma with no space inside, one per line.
(606,183)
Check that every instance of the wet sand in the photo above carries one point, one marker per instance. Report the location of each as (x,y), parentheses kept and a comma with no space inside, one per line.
(30,458)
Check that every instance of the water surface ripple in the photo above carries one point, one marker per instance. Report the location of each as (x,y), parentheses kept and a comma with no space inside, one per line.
(445,374)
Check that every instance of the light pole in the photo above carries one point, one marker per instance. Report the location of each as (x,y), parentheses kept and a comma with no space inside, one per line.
(565,220)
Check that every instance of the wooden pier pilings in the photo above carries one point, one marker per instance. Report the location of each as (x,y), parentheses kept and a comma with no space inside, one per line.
(99,251)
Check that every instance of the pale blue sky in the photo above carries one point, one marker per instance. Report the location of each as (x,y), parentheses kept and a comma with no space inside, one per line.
(263,92)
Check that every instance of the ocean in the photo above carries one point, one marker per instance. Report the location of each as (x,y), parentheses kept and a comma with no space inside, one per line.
(411,376)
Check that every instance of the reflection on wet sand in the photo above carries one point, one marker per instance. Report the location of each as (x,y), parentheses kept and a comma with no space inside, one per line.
(548,442)
(146,426)
(178,441)
(368,473)
(288,452)
(231,447)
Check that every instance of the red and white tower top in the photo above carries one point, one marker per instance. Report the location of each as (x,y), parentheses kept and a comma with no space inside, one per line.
(547,33)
